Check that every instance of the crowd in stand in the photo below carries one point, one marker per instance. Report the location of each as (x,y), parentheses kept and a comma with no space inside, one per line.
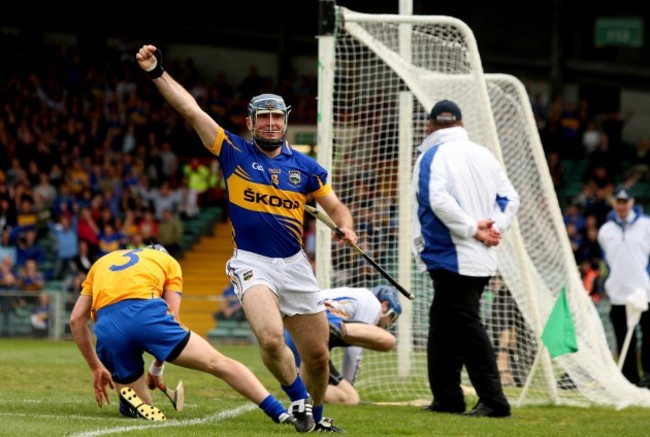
(593,143)
(88,164)
(92,160)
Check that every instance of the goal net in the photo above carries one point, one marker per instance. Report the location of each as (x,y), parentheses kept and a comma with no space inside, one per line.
(379,77)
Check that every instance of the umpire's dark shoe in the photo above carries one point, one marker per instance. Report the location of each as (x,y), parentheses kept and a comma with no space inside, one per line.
(437,407)
(482,410)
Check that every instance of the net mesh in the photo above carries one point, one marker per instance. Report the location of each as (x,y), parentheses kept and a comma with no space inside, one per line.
(379,60)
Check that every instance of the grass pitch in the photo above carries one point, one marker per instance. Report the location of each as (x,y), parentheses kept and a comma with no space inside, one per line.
(46,391)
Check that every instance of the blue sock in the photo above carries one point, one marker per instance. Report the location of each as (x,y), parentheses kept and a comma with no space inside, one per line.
(272,407)
(318,412)
(296,390)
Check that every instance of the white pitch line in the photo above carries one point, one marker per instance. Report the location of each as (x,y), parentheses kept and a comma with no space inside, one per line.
(223,415)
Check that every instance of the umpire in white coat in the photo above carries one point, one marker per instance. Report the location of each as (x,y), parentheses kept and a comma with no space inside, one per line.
(625,242)
(463,203)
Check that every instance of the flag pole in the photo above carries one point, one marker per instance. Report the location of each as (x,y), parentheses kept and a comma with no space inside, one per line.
(626,346)
(636,304)
(542,354)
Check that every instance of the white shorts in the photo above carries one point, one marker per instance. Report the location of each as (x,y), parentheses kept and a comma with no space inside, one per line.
(291,279)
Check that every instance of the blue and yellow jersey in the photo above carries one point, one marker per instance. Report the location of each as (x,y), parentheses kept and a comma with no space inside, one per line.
(267,195)
(131,274)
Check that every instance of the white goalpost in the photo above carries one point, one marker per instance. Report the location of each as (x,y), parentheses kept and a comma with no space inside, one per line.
(379,76)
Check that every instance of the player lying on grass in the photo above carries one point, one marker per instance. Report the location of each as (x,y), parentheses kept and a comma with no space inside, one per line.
(359,319)
(134,298)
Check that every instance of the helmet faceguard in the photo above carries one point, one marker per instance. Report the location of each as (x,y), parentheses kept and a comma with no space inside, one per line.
(388,294)
(268,104)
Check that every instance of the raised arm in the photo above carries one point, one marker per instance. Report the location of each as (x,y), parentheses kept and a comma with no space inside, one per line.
(150,60)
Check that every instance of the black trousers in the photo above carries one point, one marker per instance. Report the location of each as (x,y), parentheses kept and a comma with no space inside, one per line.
(631,364)
(457,337)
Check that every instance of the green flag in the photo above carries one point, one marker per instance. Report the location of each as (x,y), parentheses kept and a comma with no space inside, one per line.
(559,334)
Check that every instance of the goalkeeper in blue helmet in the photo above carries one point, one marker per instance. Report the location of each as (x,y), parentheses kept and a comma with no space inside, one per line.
(268,184)
(126,291)
(359,318)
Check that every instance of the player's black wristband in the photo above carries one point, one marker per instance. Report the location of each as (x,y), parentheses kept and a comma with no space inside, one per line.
(158,70)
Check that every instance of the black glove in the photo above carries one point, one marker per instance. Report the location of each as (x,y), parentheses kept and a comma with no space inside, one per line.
(337,332)
(158,69)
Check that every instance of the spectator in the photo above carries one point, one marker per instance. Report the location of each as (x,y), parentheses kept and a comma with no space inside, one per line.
(570,128)
(29,277)
(598,206)
(64,201)
(7,275)
(556,169)
(187,207)
(56,175)
(603,156)
(29,248)
(109,240)
(625,240)
(7,249)
(575,240)
(170,233)
(66,243)
(164,198)
(229,306)
(589,249)
(169,162)
(217,192)
(40,317)
(77,177)
(79,268)
(8,215)
(573,214)
(590,138)
(135,241)
(130,222)
(26,216)
(8,303)
(591,280)
(88,230)
(44,192)
(199,180)
(601,177)
(148,225)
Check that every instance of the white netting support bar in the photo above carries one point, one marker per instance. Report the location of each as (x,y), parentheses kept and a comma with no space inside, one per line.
(326,68)
(405,335)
